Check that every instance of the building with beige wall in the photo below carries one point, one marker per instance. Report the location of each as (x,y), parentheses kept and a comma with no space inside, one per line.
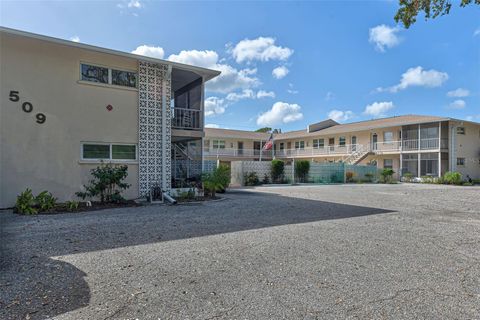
(66,107)
(420,145)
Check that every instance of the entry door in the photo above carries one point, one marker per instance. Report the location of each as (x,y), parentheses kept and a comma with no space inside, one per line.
(256,147)
(374,141)
(240,147)
(354,143)
(331,143)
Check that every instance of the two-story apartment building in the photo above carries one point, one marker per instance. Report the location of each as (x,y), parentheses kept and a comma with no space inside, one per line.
(66,107)
(420,145)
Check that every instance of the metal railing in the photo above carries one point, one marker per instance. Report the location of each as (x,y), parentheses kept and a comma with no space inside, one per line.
(242,153)
(186,118)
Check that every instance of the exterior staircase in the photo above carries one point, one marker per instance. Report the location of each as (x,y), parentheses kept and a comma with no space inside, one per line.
(358,155)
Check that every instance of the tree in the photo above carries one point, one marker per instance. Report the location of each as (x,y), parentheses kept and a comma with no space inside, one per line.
(409,9)
(265,130)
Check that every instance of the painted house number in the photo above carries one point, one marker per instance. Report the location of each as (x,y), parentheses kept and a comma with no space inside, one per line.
(27,107)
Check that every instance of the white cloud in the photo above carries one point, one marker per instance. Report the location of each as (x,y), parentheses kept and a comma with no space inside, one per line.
(75,39)
(261,49)
(476,32)
(291,90)
(212,125)
(214,106)
(378,109)
(230,78)
(473,118)
(280,72)
(329,96)
(340,116)
(281,112)
(265,94)
(134,4)
(384,36)
(149,51)
(457,104)
(458,93)
(420,78)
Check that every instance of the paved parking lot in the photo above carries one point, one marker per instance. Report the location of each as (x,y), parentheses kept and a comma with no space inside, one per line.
(304,252)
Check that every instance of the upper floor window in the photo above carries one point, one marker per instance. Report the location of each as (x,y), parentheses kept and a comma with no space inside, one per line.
(218,144)
(341,141)
(460,161)
(387,136)
(318,143)
(388,163)
(282,146)
(460,130)
(299,144)
(105,75)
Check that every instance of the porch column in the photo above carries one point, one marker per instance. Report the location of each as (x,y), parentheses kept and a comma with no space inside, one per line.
(439,149)
(419,162)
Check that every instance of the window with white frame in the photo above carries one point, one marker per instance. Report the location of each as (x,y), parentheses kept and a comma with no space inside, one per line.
(461,130)
(299,144)
(318,143)
(282,145)
(218,144)
(387,136)
(109,151)
(100,74)
(342,141)
(460,161)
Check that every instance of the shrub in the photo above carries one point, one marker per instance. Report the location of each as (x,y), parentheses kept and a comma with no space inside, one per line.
(217,180)
(468,184)
(278,170)
(107,183)
(25,203)
(452,177)
(386,175)
(408,177)
(223,175)
(45,201)
(301,170)
(349,176)
(72,205)
(251,179)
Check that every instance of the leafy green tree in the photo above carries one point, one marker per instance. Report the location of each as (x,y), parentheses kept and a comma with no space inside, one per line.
(265,130)
(409,9)
(302,167)
(278,168)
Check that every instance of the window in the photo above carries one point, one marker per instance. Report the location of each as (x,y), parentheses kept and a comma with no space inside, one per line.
(105,75)
(124,78)
(318,143)
(388,163)
(218,144)
(461,130)
(460,161)
(282,146)
(299,144)
(387,136)
(206,145)
(94,73)
(341,141)
(98,151)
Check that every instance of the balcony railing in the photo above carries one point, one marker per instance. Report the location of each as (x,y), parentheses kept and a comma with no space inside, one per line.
(337,150)
(186,118)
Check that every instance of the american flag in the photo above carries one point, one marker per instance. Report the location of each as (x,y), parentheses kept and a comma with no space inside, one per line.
(269,144)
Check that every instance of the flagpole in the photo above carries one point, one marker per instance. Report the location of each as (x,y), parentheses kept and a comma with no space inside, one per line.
(273,147)
(261,150)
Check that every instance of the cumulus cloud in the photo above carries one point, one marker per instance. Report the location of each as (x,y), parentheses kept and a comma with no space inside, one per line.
(291,90)
(149,51)
(329,96)
(378,109)
(212,125)
(457,104)
(261,49)
(280,72)
(265,94)
(134,4)
(340,116)
(476,32)
(458,93)
(214,106)
(230,78)
(420,78)
(384,37)
(75,39)
(281,112)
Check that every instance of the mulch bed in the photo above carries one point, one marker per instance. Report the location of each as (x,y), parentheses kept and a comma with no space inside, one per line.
(96,205)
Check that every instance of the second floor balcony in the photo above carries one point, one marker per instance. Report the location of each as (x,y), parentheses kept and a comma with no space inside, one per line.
(188,119)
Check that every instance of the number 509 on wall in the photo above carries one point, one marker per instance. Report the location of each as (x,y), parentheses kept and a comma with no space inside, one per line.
(27,107)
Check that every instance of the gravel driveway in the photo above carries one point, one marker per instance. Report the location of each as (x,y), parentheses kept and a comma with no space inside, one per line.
(304,252)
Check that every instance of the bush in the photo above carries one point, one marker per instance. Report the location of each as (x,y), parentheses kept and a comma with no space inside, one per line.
(407,177)
(349,176)
(107,183)
(217,180)
(387,175)
(302,167)
(251,179)
(72,205)
(45,201)
(452,177)
(25,203)
(468,184)
(278,170)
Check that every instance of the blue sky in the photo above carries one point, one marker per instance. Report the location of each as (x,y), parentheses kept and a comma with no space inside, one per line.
(346,60)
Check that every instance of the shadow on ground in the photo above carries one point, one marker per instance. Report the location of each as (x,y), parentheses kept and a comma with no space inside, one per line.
(33,283)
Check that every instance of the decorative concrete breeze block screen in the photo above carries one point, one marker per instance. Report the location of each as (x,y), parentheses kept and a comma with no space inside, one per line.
(154,145)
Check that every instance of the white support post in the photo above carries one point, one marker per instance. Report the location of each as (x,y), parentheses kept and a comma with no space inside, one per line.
(439,149)
(419,162)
